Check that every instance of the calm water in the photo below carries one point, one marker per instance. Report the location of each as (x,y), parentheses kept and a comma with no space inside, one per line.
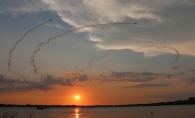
(181,111)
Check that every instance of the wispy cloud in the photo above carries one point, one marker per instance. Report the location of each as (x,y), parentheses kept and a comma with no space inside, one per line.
(144,77)
(55,26)
(147,86)
(190,80)
(115,76)
(136,75)
(22,6)
(192,70)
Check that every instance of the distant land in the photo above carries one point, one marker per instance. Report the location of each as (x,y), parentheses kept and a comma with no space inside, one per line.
(190,100)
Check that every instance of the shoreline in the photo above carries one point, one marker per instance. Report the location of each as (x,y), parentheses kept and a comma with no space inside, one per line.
(190,101)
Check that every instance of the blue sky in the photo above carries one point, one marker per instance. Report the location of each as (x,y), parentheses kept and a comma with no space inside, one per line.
(100,55)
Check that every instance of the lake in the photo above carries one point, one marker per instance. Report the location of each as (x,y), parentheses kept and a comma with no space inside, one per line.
(175,111)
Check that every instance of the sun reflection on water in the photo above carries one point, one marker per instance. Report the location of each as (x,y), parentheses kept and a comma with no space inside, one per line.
(76,113)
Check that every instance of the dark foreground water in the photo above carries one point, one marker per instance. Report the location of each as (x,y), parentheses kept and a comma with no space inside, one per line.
(178,111)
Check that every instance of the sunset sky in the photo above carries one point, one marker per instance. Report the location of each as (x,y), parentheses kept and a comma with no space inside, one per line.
(107,64)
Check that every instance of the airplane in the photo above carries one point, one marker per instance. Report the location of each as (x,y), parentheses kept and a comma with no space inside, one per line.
(50,20)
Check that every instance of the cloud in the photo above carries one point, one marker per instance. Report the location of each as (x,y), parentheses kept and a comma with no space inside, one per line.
(72,79)
(82,78)
(193,71)
(132,76)
(147,86)
(22,6)
(137,75)
(142,79)
(115,76)
(151,13)
(190,80)
(47,82)
(50,80)
(93,11)
(79,76)
(13,85)
(55,26)
(156,24)
(101,11)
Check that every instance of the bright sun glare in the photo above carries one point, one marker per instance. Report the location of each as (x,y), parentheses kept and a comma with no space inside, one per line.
(77,97)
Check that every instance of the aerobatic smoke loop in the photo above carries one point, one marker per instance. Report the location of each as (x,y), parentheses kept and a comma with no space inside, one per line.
(121,51)
(161,47)
(11,51)
(35,69)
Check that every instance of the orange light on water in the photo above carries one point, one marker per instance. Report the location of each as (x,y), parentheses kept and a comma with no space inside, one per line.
(76,113)
(76,110)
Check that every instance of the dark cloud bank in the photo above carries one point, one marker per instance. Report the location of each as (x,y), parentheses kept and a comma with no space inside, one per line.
(46,83)
(147,79)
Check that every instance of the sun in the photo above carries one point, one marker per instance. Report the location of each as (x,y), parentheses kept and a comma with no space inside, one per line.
(77,97)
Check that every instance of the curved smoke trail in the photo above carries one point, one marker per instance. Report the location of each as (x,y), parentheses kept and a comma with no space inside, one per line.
(107,54)
(11,51)
(161,47)
(97,57)
(35,69)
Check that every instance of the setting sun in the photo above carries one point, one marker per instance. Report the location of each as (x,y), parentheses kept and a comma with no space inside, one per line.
(77,97)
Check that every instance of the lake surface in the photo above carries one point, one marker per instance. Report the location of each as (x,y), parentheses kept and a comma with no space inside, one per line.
(177,111)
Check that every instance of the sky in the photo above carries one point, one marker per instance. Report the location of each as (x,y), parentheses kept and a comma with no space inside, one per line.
(46,62)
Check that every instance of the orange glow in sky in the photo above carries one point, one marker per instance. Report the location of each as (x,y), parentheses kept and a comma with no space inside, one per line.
(101,60)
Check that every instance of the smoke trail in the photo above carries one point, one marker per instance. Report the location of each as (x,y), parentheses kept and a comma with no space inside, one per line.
(103,56)
(97,57)
(11,51)
(161,47)
(121,51)
(22,76)
(35,69)
(76,67)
